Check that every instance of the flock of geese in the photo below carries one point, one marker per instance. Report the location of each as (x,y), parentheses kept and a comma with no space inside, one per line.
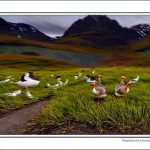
(98,89)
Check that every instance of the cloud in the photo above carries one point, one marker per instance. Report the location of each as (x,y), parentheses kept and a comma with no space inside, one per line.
(131,20)
(48,28)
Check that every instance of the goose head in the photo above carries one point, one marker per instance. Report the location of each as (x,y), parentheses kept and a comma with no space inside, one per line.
(30,74)
(122,78)
(129,84)
(93,85)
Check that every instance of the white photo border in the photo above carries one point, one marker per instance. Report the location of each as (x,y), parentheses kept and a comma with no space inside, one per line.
(22,8)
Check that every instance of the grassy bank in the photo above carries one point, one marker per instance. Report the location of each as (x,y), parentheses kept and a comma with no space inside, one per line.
(75,102)
(15,66)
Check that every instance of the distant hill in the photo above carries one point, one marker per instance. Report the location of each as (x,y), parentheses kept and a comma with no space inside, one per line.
(21,30)
(142,29)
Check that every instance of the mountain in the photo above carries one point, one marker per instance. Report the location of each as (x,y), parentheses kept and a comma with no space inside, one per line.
(99,31)
(99,39)
(21,30)
(94,33)
(101,25)
(143,30)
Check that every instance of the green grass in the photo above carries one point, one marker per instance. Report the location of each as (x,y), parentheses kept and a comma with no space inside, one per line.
(42,68)
(75,101)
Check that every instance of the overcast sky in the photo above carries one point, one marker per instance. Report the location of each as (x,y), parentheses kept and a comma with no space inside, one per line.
(56,25)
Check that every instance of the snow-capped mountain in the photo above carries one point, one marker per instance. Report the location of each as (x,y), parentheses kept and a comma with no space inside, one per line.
(142,29)
(21,30)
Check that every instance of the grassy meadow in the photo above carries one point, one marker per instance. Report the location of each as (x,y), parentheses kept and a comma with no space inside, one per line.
(15,66)
(75,102)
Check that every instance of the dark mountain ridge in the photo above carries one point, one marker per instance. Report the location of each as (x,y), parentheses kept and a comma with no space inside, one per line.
(101,25)
(22,30)
(98,31)
(142,29)
(92,31)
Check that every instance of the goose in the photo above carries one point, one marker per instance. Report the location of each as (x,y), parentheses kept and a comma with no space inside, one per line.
(27,80)
(135,79)
(123,88)
(58,78)
(120,86)
(79,74)
(99,91)
(48,85)
(28,94)
(99,77)
(90,79)
(93,72)
(122,80)
(4,81)
(52,75)
(13,94)
(86,77)
(66,82)
(60,82)
(52,86)
(9,77)
(76,77)
(56,86)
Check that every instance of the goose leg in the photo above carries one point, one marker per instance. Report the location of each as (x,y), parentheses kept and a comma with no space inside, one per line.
(28,94)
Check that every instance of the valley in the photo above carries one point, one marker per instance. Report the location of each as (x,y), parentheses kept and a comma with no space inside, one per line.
(63,101)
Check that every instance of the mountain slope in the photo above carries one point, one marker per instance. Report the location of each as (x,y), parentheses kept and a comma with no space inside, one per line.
(101,25)
(21,30)
(98,31)
(142,29)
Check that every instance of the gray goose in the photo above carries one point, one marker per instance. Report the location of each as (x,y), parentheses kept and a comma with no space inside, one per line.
(99,90)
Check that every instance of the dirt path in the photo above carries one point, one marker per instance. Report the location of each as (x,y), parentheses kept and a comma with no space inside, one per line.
(16,121)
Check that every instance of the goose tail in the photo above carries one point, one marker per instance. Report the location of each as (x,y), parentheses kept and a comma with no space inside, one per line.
(135,79)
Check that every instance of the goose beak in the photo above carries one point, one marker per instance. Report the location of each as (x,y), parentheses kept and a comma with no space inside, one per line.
(99,76)
(129,83)
(93,85)
(123,77)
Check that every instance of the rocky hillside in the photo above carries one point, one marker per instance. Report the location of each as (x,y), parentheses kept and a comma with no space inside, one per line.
(21,30)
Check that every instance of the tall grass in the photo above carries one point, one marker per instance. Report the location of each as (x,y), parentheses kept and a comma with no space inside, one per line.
(76,102)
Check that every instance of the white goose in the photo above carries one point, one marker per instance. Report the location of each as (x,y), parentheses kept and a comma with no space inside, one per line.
(4,81)
(13,94)
(89,79)
(28,80)
(76,77)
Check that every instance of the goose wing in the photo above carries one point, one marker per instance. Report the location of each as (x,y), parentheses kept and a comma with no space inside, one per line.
(121,89)
(99,90)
